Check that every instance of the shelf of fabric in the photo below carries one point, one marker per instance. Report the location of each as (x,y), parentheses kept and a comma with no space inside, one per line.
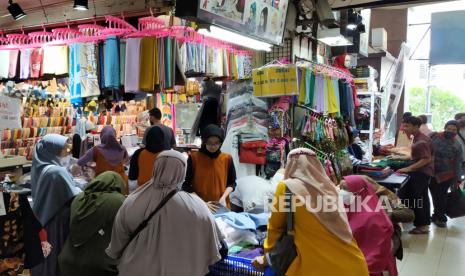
(12,161)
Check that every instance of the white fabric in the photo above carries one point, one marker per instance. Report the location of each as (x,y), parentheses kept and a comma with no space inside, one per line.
(234,236)
(253,194)
(4,63)
(25,63)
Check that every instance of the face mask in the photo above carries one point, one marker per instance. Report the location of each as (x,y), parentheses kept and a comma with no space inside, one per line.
(449,135)
(64,161)
(347,197)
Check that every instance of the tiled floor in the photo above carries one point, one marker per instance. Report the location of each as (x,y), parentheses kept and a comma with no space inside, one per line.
(441,253)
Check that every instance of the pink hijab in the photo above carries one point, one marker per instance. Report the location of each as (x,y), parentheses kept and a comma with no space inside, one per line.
(372,230)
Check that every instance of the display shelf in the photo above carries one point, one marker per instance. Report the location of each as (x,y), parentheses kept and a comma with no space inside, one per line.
(12,161)
(368,93)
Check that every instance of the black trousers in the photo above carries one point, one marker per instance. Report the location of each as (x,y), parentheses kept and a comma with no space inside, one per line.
(439,195)
(414,194)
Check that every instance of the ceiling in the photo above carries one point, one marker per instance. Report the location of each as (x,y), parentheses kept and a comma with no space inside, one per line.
(58,11)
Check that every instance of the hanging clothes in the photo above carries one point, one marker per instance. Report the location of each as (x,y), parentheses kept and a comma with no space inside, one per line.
(132,65)
(111,63)
(55,60)
(147,64)
(122,61)
(319,94)
(75,72)
(335,83)
(332,101)
(25,63)
(14,54)
(36,63)
(89,70)
(4,63)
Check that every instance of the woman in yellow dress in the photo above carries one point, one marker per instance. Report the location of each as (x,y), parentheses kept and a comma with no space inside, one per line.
(323,239)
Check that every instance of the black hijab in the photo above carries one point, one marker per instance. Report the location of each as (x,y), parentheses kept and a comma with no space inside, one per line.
(210,131)
(155,140)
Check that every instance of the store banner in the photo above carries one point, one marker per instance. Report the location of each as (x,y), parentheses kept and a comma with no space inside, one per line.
(10,112)
(275,81)
(396,86)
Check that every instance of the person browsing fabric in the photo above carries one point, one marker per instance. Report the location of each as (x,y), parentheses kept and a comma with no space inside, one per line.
(164,247)
(92,216)
(210,172)
(143,160)
(447,167)
(110,155)
(372,228)
(460,118)
(53,189)
(415,192)
(323,238)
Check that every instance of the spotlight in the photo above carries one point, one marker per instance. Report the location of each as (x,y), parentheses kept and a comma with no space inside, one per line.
(15,10)
(81,5)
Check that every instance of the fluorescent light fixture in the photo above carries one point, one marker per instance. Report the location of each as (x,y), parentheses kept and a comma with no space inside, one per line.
(219,82)
(191,79)
(236,38)
(81,5)
(15,10)
(333,37)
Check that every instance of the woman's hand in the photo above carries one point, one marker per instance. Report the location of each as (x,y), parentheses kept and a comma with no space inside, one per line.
(260,263)
(222,201)
(212,207)
(75,170)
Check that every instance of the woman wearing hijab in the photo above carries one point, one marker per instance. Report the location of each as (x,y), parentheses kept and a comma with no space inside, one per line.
(143,160)
(92,216)
(110,155)
(211,173)
(53,189)
(314,228)
(164,247)
(370,225)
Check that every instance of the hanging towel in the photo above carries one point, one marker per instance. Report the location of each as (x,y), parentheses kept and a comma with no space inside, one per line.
(89,70)
(310,79)
(147,64)
(4,63)
(132,65)
(55,60)
(332,102)
(111,63)
(122,57)
(25,63)
(36,63)
(14,54)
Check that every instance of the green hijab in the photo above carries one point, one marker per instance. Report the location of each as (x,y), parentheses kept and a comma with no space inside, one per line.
(97,206)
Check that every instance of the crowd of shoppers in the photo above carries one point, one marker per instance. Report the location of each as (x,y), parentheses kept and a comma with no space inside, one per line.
(99,231)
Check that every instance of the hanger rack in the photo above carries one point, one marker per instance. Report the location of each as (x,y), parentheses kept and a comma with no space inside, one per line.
(327,69)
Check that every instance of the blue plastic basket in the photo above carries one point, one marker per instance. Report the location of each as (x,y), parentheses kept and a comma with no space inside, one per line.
(236,266)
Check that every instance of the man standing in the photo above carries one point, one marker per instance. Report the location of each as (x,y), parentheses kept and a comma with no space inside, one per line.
(155,119)
(420,171)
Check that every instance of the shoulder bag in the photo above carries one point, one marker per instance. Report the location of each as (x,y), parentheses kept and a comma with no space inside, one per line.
(146,221)
(284,252)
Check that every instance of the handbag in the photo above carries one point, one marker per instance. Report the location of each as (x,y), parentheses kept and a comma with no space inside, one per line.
(284,252)
(253,152)
(455,204)
(146,221)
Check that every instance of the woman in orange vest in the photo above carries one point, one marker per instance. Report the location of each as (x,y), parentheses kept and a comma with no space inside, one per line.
(211,173)
(110,155)
(143,160)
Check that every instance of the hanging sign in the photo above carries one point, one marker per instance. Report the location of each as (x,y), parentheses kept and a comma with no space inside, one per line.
(275,81)
(10,112)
